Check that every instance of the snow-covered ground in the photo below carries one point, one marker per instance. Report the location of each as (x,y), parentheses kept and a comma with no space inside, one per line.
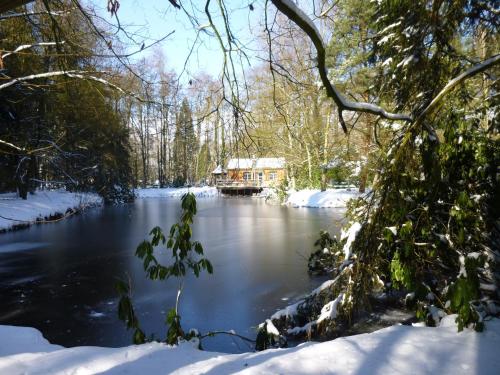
(394,350)
(331,198)
(199,192)
(42,204)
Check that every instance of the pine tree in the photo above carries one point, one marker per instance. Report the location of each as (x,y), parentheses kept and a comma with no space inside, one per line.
(185,146)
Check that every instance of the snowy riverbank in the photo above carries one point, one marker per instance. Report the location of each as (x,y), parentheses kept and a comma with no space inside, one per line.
(331,198)
(199,192)
(44,204)
(49,204)
(394,350)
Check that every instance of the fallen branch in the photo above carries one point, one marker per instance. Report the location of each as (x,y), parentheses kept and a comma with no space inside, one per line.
(230,333)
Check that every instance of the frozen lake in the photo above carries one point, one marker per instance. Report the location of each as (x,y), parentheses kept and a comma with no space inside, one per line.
(59,278)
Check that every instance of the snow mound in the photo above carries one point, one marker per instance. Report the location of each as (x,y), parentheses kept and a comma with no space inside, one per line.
(331,198)
(42,204)
(393,350)
(199,192)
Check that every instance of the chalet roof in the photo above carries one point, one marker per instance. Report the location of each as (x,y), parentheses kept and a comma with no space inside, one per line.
(277,163)
(219,170)
(259,163)
(240,164)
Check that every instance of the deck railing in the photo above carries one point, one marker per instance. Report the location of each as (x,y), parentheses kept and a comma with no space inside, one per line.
(236,183)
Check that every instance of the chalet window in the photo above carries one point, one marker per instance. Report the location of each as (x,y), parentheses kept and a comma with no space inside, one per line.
(273,175)
(247,176)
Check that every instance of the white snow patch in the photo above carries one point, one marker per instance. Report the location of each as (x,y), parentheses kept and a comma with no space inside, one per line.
(287,312)
(44,203)
(330,310)
(387,61)
(270,327)
(330,198)
(385,39)
(436,313)
(325,285)
(351,234)
(449,321)
(394,350)
(386,29)
(463,271)
(394,230)
(406,61)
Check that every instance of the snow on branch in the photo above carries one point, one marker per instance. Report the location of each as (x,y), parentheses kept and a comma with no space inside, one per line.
(486,64)
(289,9)
(31,14)
(11,145)
(75,74)
(26,46)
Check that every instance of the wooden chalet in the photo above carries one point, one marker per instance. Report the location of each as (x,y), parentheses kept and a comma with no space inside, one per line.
(250,176)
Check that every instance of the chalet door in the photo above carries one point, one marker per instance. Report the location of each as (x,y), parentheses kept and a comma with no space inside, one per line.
(260,177)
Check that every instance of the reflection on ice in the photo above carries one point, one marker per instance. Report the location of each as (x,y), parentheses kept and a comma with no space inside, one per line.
(21,246)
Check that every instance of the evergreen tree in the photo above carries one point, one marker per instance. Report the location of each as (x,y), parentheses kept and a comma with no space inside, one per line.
(185,146)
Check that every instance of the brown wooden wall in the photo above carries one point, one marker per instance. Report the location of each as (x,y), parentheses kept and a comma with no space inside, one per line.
(237,174)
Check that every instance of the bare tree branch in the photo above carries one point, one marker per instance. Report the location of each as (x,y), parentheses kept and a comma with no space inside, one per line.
(76,74)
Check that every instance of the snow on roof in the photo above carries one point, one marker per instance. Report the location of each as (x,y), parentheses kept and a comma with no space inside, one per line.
(259,163)
(219,170)
(240,164)
(270,163)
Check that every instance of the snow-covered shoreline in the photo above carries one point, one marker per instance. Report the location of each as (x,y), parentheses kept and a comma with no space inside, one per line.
(315,198)
(44,204)
(394,350)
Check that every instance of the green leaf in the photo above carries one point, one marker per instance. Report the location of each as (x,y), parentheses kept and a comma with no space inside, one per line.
(210,269)
(143,249)
(198,247)
(171,316)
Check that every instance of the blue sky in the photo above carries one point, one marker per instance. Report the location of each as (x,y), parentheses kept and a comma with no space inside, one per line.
(154,19)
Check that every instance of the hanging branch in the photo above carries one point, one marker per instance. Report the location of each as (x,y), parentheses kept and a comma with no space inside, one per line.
(289,9)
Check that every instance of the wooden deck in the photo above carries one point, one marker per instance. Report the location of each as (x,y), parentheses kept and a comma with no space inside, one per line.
(231,187)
